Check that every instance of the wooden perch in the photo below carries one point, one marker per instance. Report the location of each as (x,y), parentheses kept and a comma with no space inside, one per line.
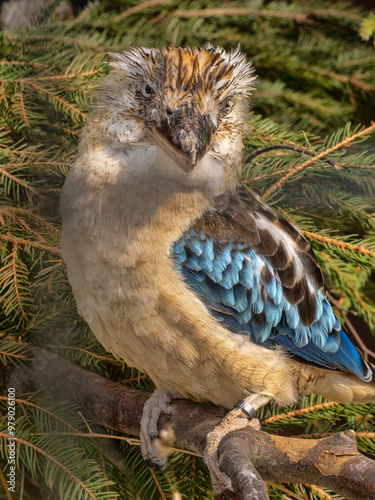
(248,457)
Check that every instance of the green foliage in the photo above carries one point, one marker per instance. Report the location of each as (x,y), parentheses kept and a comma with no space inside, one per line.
(367,30)
(315,67)
(48,448)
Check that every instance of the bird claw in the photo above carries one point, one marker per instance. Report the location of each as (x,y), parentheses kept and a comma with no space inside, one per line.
(152,446)
(235,420)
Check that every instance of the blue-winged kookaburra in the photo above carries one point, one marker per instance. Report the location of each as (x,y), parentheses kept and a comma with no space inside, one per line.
(179,269)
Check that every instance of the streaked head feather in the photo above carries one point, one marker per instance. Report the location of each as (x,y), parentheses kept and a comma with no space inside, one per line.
(208,68)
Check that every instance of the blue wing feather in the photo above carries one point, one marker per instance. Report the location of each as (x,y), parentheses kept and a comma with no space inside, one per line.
(245,293)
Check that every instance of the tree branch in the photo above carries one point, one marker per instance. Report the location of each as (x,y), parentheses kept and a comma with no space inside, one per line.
(246,456)
(290,147)
(342,144)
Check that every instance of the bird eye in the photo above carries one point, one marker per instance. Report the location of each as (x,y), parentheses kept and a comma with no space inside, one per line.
(226,104)
(147,90)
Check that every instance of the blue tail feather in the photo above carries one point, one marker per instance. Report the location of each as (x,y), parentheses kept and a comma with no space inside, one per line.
(346,357)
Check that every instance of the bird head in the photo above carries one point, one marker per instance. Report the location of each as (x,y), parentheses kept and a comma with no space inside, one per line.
(188,102)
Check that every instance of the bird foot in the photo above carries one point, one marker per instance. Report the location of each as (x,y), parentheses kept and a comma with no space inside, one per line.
(240,417)
(155,444)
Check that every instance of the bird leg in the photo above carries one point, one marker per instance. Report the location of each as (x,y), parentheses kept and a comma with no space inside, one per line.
(152,442)
(240,417)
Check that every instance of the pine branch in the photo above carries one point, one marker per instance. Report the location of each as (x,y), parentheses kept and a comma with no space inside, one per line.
(338,243)
(138,8)
(299,149)
(51,459)
(302,411)
(35,244)
(56,98)
(298,168)
(14,267)
(17,180)
(42,409)
(298,17)
(5,485)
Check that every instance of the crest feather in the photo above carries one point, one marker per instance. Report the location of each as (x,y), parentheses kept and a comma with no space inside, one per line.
(135,63)
(207,67)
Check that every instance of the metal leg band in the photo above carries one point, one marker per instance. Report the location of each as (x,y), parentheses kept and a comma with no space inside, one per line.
(246,408)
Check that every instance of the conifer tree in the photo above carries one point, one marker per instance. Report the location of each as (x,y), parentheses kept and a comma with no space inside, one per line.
(310,154)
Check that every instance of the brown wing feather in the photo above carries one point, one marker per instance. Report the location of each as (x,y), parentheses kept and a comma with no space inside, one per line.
(245,217)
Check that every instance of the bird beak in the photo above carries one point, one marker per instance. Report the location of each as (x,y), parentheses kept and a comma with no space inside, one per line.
(185,135)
